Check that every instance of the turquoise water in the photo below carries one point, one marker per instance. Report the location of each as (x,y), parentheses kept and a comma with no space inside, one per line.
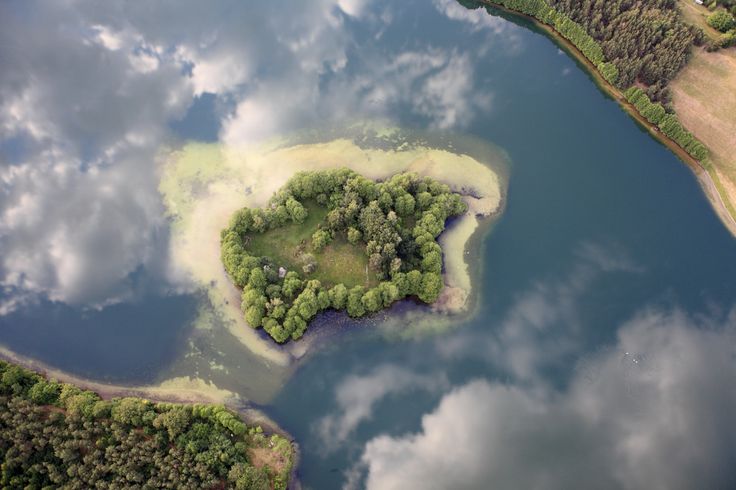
(608,278)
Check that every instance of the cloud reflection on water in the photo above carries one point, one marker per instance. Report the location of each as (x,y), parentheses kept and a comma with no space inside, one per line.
(88,94)
(653,411)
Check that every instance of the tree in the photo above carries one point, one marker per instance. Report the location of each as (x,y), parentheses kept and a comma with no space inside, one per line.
(354,235)
(297,212)
(372,300)
(355,305)
(292,285)
(432,262)
(721,20)
(338,296)
(175,421)
(257,279)
(405,205)
(44,393)
(320,239)
(130,411)
(389,293)
(414,282)
(254,315)
(430,287)
(248,477)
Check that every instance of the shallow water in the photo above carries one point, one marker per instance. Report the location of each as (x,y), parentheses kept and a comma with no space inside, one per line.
(604,296)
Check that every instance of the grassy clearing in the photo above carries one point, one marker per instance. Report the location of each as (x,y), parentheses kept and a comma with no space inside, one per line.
(704,96)
(339,262)
(697,14)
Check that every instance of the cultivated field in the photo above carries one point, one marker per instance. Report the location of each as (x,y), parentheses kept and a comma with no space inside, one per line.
(704,96)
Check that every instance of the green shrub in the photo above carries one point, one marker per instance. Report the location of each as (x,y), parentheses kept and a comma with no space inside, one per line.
(721,20)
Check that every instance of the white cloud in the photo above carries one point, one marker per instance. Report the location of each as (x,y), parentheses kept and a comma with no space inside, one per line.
(656,413)
(357,396)
(79,208)
(91,90)
(478,18)
(354,8)
(542,328)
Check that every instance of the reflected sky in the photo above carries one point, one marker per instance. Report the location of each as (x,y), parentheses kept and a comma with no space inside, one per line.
(91,94)
(602,355)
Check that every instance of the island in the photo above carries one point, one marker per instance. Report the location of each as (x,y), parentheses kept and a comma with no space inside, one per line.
(334,239)
(57,435)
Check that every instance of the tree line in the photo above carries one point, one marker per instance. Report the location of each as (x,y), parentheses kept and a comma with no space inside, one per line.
(647,40)
(724,22)
(397,223)
(629,41)
(566,26)
(56,435)
(667,123)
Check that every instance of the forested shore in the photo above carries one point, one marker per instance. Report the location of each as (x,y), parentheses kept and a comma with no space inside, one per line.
(56,434)
(640,44)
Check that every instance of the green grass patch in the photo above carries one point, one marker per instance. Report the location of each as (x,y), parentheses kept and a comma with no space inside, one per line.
(289,246)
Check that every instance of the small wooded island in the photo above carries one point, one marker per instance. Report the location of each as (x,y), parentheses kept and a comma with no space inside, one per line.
(335,239)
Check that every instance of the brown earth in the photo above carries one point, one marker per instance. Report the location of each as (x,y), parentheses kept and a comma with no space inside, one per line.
(704,97)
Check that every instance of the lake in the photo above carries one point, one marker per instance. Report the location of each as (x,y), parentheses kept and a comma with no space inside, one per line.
(600,354)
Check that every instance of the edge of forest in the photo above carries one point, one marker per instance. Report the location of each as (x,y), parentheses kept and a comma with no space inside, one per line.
(709,183)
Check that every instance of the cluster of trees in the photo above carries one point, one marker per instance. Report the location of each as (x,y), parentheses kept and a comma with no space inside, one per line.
(667,123)
(646,40)
(397,222)
(725,22)
(728,4)
(629,41)
(653,112)
(56,435)
(567,27)
(721,20)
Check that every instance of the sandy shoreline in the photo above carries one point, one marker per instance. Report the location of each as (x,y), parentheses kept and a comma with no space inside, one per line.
(177,390)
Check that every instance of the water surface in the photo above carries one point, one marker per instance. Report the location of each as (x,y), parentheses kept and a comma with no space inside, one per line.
(601,351)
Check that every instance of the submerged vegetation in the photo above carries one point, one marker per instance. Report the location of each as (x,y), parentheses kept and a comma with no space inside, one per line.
(337,240)
(56,435)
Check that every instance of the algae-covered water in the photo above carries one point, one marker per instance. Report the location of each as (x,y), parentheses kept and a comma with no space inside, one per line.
(596,349)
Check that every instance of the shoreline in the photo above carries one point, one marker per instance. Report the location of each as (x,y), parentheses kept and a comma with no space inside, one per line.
(202,201)
(155,393)
(251,415)
(708,184)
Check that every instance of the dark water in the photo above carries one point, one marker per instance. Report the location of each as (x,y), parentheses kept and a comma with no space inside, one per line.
(583,174)
(606,243)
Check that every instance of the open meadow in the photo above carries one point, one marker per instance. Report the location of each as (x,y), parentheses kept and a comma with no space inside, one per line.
(704,96)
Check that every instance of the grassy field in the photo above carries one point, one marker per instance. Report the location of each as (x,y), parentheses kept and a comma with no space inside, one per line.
(704,96)
(339,262)
(697,15)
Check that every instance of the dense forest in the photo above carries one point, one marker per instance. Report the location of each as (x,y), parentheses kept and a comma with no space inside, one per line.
(395,223)
(646,39)
(55,435)
(728,4)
